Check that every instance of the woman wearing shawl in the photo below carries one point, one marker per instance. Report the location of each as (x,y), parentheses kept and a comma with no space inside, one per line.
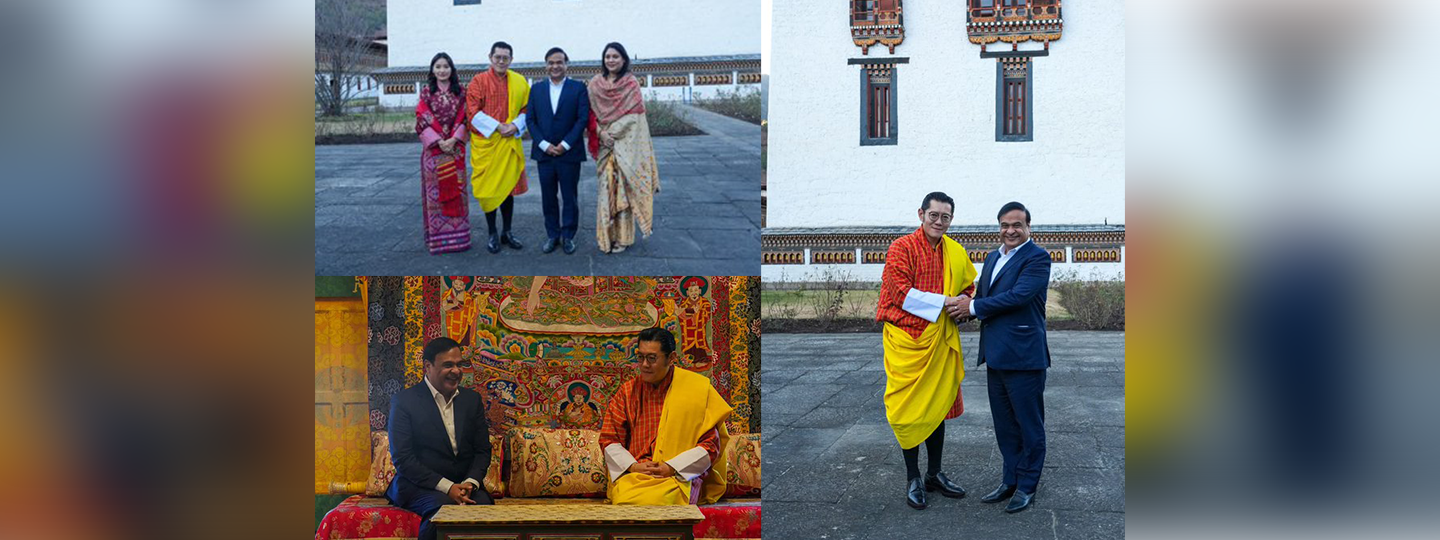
(625,160)
(440,121)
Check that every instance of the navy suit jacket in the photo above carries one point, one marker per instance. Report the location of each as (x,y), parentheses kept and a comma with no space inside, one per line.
(1012,310)
(420,447)
(566,124)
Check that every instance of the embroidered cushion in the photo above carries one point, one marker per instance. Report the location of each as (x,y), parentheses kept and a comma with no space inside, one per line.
(742,453)
(555,463)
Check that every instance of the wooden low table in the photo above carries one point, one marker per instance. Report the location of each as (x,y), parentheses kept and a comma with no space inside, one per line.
(566,522)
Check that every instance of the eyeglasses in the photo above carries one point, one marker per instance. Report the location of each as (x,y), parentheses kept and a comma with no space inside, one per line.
(648,359)
(937,217)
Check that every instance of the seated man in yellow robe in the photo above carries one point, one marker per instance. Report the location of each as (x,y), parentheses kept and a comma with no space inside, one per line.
(664,430)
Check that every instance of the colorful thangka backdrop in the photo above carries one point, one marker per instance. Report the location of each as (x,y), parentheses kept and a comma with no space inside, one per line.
(550,351)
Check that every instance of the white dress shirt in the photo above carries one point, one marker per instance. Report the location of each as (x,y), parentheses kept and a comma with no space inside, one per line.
(555,91)
(1000,261)
(447,415)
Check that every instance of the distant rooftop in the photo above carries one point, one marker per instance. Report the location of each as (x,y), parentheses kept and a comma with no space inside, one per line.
(586,63)
(954,229)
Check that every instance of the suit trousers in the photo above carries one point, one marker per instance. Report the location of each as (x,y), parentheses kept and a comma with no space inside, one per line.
(426,502)
(562,217)
(1017,404)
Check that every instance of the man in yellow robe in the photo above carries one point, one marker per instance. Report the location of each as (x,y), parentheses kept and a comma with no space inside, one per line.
(925,272)
(664,431)
(495,104)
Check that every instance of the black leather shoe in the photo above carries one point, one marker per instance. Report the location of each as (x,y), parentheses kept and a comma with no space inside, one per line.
(569,246)
(509,239)
(946,487)
(493,246)
(1000,493)
(550,245)
(915,496)
(1019,502)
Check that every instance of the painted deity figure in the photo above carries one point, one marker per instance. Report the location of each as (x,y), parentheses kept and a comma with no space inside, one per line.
(460,304)
(694,314)
(578,410)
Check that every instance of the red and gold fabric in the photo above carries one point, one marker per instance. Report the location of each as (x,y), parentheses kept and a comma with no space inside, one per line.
(368,518)
(555,463)
(742,454)
(730,521)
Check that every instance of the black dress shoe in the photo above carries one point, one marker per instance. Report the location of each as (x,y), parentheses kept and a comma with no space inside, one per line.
(569,246)
(946,487)
(1000,493)
(493,246)
(509,239)
(550,245)
(915,495)
(1019,502)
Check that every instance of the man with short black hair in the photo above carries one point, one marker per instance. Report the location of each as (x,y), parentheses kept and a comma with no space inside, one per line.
(925,272)
(495,108)
(438,463)
(559,110)
(671,458)
(1010,304)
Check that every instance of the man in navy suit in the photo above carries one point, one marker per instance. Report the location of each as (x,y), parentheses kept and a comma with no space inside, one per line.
(439,439)
(558,112)
(1010,303)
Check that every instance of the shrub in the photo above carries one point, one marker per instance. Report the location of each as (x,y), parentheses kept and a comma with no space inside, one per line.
(1095,303)
(740,105)
(665,119)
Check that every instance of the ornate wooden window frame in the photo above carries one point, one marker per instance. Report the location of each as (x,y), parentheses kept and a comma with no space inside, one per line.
(880,28)
(869,68)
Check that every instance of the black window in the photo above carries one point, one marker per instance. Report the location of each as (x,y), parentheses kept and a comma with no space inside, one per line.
(877,105)
(1013,100)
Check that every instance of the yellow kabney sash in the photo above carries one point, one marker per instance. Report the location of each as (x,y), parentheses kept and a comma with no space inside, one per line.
(692,407)
(922,375)
(497,161)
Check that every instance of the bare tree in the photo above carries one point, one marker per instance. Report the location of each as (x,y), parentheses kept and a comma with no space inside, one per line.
(341,43)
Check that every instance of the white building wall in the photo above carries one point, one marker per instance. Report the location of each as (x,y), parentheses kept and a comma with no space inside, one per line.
(1072,173)
(417,29)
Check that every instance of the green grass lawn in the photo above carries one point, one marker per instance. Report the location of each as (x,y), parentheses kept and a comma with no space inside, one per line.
(856,304)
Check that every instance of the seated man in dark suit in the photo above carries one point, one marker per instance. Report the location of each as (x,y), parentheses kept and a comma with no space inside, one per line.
(439,439)
(558,112)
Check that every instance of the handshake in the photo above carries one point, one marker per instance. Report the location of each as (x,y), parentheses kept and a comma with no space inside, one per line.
(958,308)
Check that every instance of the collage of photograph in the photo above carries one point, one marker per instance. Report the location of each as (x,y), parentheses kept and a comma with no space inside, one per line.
(555,239)
(719,270)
